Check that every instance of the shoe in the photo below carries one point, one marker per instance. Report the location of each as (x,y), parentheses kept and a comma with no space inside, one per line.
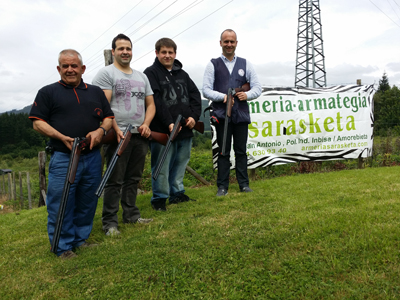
(159,206)
(180,198)
(68,255)
(112,231)
(87,245)
(246,189)
(143,221)
(222,191)
(185,198)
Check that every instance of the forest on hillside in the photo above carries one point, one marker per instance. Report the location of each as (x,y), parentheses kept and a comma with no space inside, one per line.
(18,139)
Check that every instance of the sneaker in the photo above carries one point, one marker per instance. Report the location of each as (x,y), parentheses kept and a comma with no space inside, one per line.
(159,206)
(143,221)
(222,191)
(68,255)
(246,189)
(113,231)
(87,245)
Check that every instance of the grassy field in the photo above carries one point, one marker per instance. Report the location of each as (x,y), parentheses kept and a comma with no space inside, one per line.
(329,235)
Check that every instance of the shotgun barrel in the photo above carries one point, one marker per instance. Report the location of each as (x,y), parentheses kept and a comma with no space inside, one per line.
(69,179)
(172,136)
(120,149)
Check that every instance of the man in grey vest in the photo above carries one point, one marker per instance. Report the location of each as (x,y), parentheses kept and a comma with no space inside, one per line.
(231,71)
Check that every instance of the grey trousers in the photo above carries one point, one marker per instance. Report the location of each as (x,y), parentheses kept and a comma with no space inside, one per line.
(123,182)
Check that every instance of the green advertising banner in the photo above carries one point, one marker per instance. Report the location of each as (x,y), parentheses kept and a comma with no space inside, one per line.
(308,124)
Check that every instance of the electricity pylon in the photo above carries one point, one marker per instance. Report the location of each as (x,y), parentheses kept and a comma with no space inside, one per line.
(310,59)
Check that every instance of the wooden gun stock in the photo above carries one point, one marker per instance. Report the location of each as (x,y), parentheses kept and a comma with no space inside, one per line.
(244,88)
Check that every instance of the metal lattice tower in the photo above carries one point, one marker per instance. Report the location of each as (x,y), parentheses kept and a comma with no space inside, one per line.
(310,59)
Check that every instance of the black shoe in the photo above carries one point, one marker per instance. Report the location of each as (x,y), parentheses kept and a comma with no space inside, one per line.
(185,198)
(159,206)
(222,191)
(246,189)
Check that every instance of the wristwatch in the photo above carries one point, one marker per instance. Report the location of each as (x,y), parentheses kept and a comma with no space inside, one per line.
(103,130)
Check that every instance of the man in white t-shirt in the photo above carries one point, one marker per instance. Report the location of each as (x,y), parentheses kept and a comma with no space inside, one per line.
(131,99)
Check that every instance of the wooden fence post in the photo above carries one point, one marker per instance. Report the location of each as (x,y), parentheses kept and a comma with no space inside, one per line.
(21,197)
(9,186)
(42,178)
(197,176)
(28,183)
(2,187)
(14,188)
(253,174)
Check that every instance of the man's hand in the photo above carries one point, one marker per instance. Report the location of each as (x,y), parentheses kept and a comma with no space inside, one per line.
(68,141)
(144,130)
(190,122)
(226,99)
(242,96)
(95,137)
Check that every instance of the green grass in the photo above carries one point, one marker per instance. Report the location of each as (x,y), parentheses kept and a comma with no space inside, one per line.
(314,236)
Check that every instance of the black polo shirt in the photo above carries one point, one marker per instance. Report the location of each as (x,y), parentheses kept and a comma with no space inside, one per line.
(72,111)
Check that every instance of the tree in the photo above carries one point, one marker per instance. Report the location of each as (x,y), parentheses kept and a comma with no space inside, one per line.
(384,83)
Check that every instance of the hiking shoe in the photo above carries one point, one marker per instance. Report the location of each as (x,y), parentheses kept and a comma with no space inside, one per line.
(246,189)
(143,221)
(87,245)
(185,198)
(222,191)
(159,206)
(68,255)
(113,231)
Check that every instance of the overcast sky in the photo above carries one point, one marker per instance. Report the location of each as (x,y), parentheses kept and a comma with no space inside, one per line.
(361,38)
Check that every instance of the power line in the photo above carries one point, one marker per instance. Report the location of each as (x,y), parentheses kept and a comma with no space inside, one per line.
(188,28)
(393,9)
(112,25)
(384,13)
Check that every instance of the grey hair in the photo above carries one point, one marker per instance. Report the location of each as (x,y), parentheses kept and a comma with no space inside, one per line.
(70,52)
(228,30)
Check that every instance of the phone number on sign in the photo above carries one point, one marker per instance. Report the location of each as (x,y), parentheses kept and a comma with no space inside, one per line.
(263,152)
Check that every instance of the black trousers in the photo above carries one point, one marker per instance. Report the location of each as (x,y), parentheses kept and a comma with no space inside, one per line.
(239,133)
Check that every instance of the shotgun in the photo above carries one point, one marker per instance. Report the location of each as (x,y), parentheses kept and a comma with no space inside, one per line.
(231,93)
(228,112)
(199,126)
(172,136)
(70,178)
(123,143)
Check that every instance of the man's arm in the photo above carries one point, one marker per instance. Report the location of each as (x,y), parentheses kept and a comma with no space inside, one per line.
(208,85)
(255,86)
(150,113)
(47,130)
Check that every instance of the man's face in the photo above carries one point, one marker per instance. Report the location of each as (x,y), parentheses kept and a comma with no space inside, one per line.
(166,56)
(228,43)
(71,69)
(123,52)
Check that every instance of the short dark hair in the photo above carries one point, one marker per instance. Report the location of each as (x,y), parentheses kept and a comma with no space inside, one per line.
(165,42)
(120,36)
(229,30)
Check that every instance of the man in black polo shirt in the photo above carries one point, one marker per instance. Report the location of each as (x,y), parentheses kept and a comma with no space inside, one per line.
(63,111)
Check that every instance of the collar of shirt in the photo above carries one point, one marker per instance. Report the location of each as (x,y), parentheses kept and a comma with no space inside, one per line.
(229,63)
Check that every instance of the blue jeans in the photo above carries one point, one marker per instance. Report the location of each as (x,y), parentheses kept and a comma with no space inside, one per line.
(82,201)
(123,182)
(170,181)
(239,133)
